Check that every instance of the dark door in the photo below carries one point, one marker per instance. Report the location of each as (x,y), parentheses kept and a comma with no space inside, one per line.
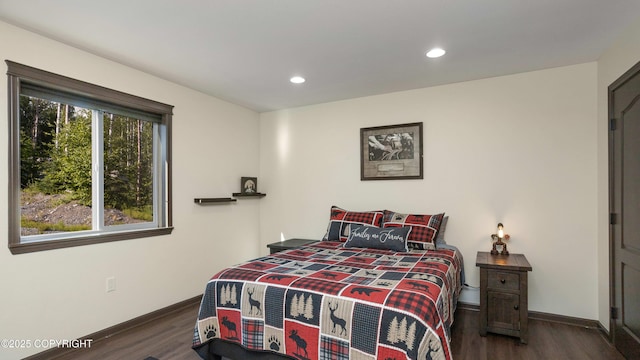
(624,165)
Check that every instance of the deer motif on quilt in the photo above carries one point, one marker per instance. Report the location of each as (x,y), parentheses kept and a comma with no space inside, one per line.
(252,302)
(342,323)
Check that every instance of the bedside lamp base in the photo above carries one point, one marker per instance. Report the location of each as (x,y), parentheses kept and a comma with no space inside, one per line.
(504,250)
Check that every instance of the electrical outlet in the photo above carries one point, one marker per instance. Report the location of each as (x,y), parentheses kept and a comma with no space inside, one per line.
(111,284)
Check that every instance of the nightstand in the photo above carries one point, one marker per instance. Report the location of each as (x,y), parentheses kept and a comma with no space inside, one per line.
(288,244)
(503,294)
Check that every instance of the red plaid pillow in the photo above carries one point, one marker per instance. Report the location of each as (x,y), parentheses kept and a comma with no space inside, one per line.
(338,229)
(424,228)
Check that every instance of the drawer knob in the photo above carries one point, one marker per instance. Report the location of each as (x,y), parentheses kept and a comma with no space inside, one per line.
(516,307)
(502,281)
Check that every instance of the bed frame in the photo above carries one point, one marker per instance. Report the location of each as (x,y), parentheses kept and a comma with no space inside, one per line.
(216,349)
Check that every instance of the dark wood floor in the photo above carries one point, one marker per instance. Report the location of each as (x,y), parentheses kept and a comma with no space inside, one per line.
(166,339)
(547,340)
(170,339)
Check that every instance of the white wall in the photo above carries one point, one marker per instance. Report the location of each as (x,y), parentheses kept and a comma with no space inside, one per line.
(60,294)
(619,58)
(519,149)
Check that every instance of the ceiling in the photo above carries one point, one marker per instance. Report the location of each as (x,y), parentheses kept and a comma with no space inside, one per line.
(245,51)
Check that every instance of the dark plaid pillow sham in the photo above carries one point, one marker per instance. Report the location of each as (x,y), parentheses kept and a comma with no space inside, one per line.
(338,229)
(424,228)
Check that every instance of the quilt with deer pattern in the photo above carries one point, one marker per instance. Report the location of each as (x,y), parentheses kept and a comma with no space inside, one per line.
(323,301)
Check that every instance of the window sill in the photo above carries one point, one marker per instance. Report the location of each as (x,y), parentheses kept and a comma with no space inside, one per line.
(22,248)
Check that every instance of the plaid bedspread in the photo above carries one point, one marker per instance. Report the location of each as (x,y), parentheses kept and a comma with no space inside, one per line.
(323,301)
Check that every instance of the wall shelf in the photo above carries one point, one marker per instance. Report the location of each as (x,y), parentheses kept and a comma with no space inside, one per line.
(202,201)
(254,195)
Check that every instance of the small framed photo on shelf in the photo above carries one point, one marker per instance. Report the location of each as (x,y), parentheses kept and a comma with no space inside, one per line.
(248,185)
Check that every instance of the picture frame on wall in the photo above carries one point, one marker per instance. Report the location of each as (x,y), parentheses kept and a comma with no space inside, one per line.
(391,152)
(248,185)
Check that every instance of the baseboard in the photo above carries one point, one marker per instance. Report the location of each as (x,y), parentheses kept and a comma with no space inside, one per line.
(536,315)
(468,306)
(605,333)
(102,335)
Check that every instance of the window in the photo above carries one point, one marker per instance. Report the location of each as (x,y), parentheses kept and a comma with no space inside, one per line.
(87,164)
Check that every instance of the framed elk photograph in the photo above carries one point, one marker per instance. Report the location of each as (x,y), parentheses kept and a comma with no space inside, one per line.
(391,152)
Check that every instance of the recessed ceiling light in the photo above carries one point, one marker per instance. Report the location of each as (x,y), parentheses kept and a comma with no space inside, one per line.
(435,52)
(297,80)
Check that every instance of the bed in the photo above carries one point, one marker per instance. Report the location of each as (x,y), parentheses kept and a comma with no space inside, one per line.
(328,301)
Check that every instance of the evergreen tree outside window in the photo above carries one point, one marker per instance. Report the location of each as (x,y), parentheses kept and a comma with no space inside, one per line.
(87,164)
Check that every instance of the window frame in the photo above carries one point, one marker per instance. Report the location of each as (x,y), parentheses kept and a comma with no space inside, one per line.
(16,75)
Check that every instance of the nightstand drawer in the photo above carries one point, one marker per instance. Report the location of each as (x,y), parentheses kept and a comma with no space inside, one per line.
(504,280)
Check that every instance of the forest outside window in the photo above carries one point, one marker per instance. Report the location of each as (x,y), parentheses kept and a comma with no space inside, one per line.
(87,164)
